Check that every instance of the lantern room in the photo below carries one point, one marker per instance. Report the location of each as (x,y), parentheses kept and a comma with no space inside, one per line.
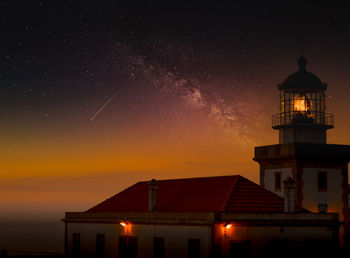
(302,116)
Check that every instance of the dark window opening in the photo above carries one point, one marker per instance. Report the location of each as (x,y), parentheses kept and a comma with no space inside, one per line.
(194,248)
(123,247)
(322,181)
(318,248)
(127,247)
(278,247)
(217,251)
(76,245)
(158,247)
(322,207)
(278,182)
(100,245)
(239,249)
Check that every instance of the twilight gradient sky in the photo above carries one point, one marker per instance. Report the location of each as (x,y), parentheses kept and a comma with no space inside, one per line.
(193,88)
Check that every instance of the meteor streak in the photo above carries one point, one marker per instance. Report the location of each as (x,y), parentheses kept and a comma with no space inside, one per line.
(109,100)
(103,106)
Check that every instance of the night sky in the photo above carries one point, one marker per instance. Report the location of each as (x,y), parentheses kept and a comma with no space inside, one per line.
(97,95)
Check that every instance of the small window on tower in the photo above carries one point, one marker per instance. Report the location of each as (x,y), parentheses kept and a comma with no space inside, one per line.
(322,181)
(278,182)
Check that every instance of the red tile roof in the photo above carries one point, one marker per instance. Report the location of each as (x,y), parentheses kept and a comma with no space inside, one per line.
(205,194)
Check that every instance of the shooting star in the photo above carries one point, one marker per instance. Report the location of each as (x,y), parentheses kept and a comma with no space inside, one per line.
(109,100)
(103,106)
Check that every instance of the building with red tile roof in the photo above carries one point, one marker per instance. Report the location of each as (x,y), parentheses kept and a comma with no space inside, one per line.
(200,215)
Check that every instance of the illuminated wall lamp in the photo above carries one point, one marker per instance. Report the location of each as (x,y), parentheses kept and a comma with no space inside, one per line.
(227,226)
(124,223)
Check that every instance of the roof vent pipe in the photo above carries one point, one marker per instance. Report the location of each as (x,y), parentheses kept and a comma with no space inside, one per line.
(153,196)
(289,195)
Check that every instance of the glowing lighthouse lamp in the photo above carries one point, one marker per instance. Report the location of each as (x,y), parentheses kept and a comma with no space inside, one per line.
(302,116)
(302,104)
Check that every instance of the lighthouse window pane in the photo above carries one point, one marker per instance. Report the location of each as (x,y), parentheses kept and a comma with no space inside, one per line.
(322,181)
(278,181)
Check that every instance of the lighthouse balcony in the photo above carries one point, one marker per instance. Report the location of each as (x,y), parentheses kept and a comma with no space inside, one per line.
(300,118)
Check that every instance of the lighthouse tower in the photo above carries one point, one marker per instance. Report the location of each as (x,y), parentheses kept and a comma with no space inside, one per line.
(319,170)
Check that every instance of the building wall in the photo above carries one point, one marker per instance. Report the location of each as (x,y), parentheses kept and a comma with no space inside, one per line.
(332,197)
(255,229)
(269,179)
(259,238)
(175,238)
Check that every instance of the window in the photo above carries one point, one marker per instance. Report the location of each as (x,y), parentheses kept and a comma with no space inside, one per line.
(76,245)
(239,249)
(123,247)
(100,245)
(194,248)
(318,248)
(127,247)
(158,247)
(132,247)
(322,207)
(322,181)
(278,182)
(217,251)
(278,247)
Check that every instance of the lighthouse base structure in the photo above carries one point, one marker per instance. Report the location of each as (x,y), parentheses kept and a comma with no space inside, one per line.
(320,172)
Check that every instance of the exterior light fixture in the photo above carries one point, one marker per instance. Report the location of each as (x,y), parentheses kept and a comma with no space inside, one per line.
(226,226)
(123,223)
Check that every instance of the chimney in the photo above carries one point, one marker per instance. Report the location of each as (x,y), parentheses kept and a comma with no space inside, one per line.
(152,195)
(289,195)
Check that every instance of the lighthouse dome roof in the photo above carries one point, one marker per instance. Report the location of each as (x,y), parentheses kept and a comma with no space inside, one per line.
(302,80)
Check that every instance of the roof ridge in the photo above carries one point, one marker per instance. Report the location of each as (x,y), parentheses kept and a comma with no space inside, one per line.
(228,197)
(188,178)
